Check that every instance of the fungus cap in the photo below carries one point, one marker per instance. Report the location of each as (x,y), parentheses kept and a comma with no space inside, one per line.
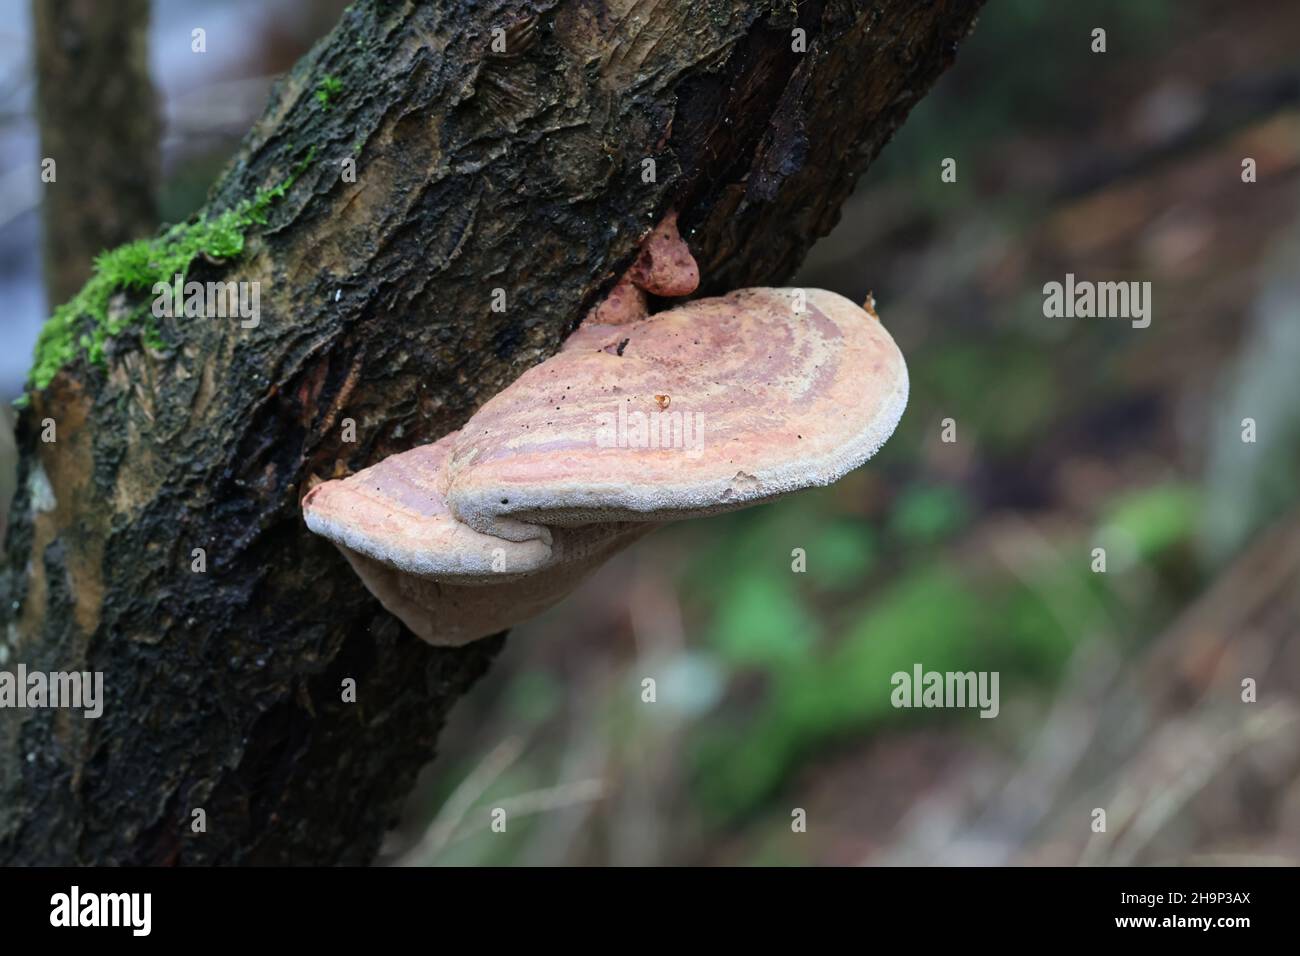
(711,406)
(707,407)
(396,513)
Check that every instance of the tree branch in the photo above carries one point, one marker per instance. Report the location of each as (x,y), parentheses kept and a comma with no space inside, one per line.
(519,169)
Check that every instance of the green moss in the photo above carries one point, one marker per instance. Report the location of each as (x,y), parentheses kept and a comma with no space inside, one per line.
(85,323)
(328,88)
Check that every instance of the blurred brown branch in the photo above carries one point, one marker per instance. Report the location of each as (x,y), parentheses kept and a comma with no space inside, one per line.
(99,123)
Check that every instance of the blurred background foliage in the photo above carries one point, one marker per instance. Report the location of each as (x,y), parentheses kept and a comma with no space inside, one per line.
(1119,690)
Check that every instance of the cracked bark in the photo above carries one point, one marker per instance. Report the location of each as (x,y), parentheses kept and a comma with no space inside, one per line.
(476,169)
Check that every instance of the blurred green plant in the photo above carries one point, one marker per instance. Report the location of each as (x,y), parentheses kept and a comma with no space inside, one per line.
(927,514)
(1156,519)
(940,613)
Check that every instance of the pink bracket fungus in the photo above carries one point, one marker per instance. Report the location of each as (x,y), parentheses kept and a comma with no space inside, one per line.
(663,267)
(707,407)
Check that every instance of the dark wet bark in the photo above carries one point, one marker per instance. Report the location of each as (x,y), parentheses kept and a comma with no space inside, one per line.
(476,170)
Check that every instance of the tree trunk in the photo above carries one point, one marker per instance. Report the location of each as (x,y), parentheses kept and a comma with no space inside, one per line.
(478,167)
(99,123)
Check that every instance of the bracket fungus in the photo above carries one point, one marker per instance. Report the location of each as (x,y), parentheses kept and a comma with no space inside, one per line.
(710,406)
